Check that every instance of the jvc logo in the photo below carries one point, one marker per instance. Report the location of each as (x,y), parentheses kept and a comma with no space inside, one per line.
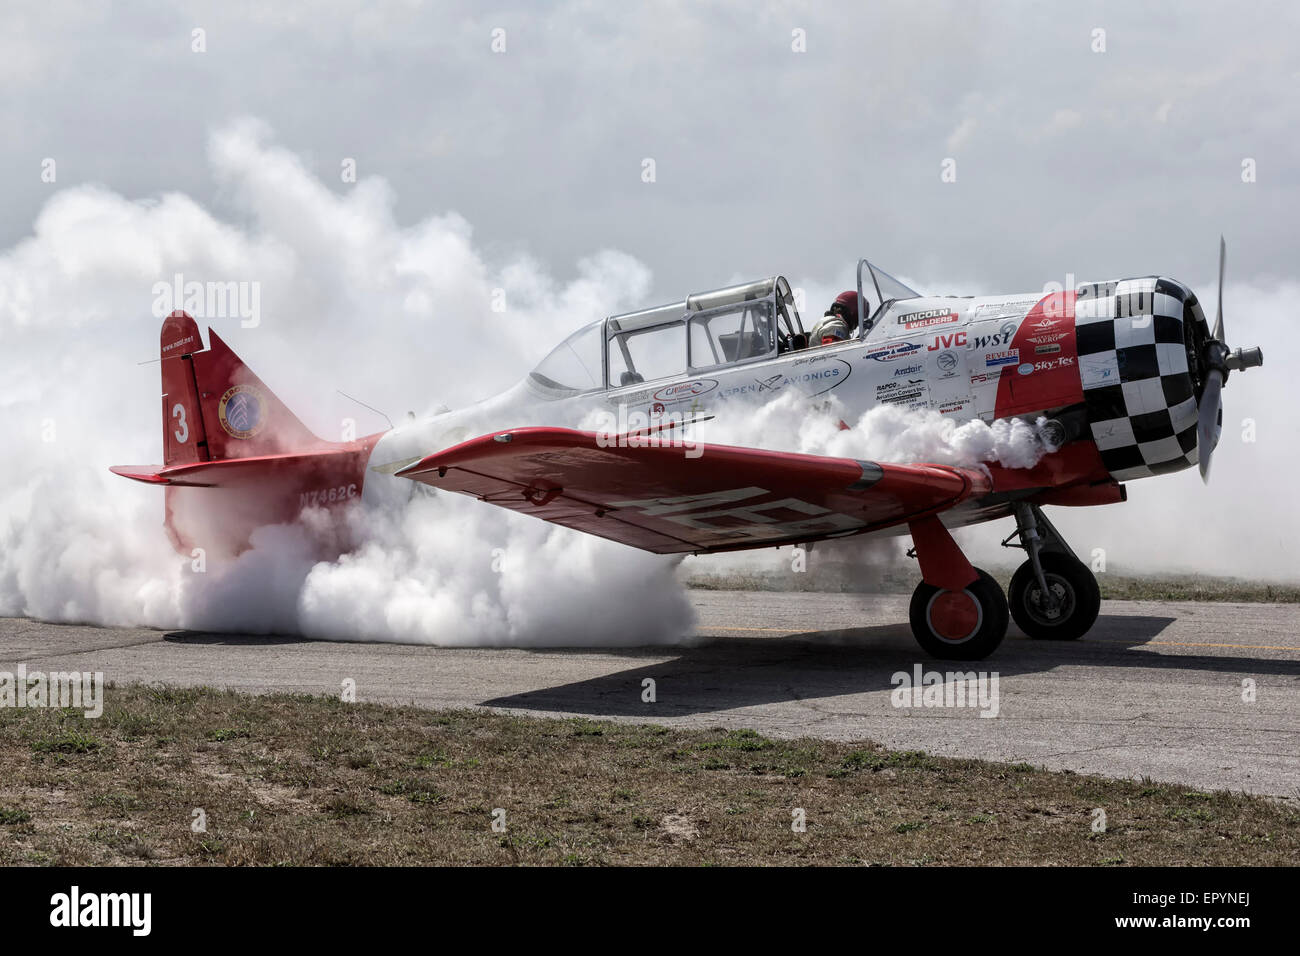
(947,341)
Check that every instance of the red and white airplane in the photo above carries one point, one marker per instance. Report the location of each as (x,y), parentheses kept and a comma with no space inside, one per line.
(1127,373)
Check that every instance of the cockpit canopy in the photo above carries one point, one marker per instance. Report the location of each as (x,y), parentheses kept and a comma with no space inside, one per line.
(709,330)
(727,326)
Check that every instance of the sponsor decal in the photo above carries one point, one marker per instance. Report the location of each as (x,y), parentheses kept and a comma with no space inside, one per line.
(175,345)
(892,351)
(1045,323)
(1093,371)
(949,407)
(1004,357)
(927,318)
(242,411)
(952,340)
(1026,369)
(947,361)
(1046,349)
(1008,308)
(1050,337)
(910,396)
(979,378)
(1065,361)
(908,370)
(1001,337)
(811,381)
(684,390)
(657,408)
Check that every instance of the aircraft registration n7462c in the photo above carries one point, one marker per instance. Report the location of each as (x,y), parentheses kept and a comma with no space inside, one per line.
(1122,378)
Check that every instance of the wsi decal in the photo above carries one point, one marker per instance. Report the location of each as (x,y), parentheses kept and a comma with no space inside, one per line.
(927,318)
(952,340)
(892,351)
(1001,337)
(684,390)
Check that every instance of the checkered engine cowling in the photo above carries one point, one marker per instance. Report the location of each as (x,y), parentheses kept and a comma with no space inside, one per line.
(1140,342)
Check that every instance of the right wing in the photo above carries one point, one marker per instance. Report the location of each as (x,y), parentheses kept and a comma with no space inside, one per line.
(647,492)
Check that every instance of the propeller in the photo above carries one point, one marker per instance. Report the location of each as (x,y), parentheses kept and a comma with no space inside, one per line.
(1220,361)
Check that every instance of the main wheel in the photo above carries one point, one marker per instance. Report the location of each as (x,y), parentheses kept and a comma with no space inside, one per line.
(965,625)
(1078,598)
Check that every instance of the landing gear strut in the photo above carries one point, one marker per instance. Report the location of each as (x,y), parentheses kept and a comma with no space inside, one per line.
(958,612)
(1053,595)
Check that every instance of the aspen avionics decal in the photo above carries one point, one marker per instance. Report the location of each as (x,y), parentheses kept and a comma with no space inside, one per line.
(812,377)
(242,411)
(927,318)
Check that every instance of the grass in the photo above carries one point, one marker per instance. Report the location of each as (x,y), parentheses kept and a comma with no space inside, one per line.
(162,779)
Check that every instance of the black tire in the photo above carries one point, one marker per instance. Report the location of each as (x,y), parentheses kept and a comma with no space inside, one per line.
(987,630)
(1075,587)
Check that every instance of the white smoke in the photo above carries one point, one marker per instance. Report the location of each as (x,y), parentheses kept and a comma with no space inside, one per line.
(403,318)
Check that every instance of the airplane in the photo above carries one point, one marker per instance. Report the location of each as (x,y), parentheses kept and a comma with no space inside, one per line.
(1121,378)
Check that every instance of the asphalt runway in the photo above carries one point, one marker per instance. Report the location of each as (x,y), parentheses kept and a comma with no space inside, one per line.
(1155,690)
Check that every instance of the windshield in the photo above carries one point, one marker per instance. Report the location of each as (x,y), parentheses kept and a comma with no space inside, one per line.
(891,288)
(575,365)
(879,287)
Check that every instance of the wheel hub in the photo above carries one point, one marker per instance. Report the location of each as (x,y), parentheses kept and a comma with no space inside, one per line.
(954,615)
(1051,608)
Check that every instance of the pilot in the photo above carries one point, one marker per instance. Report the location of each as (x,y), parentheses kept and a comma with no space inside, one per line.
(839,323)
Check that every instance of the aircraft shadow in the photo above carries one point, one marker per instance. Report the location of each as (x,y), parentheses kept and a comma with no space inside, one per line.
(726,673)
(234,640)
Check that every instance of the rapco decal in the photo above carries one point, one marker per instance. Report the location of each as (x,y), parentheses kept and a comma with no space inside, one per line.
(684,390)
(927,318)
(242,411)
(951,340)
(892,351)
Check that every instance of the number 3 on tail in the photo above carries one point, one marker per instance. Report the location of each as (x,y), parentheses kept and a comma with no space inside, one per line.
(182,433)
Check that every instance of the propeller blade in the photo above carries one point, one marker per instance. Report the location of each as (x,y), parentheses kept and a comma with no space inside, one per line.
(1218,313)
(1207,420)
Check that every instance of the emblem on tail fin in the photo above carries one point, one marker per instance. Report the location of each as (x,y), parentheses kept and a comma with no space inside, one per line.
(242,411)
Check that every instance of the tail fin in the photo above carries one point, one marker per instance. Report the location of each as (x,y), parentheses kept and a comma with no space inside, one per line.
(224,429)
(214,407)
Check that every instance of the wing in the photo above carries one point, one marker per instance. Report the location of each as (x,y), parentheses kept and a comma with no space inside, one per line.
(654,494)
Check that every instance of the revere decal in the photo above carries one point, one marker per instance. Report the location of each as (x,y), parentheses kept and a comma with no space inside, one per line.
(1004,357)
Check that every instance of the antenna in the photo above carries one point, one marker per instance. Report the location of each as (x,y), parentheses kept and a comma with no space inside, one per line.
(364,405)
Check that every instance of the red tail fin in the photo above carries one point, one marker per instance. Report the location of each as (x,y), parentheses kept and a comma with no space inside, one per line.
(223,428)
(214,407)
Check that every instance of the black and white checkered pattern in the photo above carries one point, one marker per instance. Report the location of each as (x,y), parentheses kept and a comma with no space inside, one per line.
(1136,383)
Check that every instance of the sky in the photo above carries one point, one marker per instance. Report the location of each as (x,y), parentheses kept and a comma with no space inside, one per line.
(786,137)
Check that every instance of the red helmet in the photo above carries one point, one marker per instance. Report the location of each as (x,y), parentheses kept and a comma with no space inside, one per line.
(846,306)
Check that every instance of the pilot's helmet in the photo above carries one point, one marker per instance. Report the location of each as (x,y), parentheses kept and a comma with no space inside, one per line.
(846,307)
(830,329)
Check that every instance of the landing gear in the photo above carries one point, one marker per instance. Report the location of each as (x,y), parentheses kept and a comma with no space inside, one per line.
(1053,595)
(958,612)
(965,625)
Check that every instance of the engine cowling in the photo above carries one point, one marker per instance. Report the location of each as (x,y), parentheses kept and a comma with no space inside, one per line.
(1140,354)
